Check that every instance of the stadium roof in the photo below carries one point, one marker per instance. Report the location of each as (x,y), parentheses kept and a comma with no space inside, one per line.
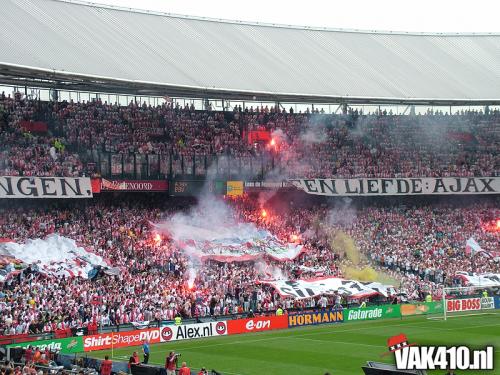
(84,46)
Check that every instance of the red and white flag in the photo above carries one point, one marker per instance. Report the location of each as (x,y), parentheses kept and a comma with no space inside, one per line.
(472,247)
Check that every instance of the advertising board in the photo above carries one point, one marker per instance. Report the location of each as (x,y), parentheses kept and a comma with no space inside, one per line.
(66,345)
(318,317)
(192,331)
(373,312)
(120,339)
(258,324)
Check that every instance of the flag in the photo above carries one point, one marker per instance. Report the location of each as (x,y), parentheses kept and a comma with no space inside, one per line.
(472,247)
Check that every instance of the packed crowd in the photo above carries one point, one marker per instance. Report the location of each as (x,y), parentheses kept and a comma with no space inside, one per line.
(304,144)
(27,154)
(419,247)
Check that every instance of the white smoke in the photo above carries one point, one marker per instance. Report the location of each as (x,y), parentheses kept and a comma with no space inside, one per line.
(314,135)
(269,271)
(279,136)
(343,214)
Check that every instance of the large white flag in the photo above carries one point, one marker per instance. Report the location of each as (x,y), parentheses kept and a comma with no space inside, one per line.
(480,280)
(54,255)
(233,242)
(299,289)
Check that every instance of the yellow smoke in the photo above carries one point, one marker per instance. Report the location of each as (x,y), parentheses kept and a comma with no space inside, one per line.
(367,273)
(354,265)
(341,243)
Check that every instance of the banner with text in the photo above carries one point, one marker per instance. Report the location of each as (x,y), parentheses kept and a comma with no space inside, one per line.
(120,339)
(134,185)
(372,312)
(265,185)
(45,187)
(67,345)
(399,186)
(258,324)
(487,303)
(329,285)
(317,317)
(465,304)
(192,331)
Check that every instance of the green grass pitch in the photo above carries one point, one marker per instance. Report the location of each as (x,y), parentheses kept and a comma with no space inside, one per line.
(338,348)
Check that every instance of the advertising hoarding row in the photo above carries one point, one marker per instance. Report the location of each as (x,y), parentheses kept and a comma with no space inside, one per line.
(170,333)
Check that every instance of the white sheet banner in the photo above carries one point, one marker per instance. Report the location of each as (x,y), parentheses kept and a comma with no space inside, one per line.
(45,187)
(399,186)
(54,255)
(299,289)
(480,280)
(235,242)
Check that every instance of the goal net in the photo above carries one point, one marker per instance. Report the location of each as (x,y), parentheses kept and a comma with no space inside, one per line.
(467,301)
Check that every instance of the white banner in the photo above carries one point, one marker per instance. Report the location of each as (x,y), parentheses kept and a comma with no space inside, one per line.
(480,280)
(53,255)
(45,187)
(399,186)
(192,331)
(299,289)
(234,242)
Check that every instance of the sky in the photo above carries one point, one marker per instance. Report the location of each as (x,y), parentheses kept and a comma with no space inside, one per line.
(394,15)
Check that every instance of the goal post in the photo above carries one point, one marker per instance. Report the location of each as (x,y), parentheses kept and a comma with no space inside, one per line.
(468,300)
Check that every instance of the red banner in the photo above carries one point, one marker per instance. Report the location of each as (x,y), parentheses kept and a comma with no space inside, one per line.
(120,339)
(134,185)
(258,324)
(95,183)
(34,126)
(257,136)
(467,304)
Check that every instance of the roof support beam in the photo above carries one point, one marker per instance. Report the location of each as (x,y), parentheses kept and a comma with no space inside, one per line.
(42,78)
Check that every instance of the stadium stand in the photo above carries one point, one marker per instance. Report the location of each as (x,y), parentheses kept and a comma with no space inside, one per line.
(137,272)
(115,141)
